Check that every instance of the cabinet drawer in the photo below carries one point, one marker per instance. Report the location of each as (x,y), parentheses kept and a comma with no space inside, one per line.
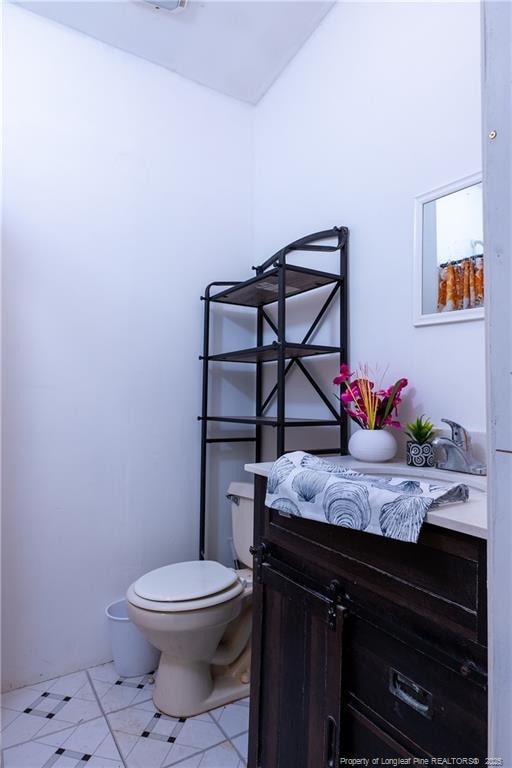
(439,581)
(440,710)
(361,737)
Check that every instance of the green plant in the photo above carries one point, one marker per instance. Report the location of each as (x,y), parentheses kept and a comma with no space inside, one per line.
(422,430)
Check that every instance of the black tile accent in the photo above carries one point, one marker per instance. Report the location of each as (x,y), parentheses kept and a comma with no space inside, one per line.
(182,720)
(85,758)
(119,682)
(50,715)
(145,734)
(140,685)
(45,693)
(60,751)
(28,710)
(66,698)
(157,715)
(171,739)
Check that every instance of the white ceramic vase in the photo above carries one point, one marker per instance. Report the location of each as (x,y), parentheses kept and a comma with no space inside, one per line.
(372,445)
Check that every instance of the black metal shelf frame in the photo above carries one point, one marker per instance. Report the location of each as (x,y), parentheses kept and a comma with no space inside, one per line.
(275,281)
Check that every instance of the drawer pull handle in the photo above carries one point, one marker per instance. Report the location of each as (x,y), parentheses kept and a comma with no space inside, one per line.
(331,730)
(410,693)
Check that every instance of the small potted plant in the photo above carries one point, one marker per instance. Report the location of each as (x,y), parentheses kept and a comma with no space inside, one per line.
(371,407)
(420,451)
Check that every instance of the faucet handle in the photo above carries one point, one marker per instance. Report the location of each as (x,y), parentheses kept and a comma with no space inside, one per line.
(459,434)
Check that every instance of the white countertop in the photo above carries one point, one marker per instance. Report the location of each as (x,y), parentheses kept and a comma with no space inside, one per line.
(469,518)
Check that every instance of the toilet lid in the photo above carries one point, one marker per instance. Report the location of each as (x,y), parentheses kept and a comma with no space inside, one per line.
(184,581)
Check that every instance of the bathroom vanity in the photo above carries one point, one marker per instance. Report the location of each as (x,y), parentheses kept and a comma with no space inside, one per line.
(367,647)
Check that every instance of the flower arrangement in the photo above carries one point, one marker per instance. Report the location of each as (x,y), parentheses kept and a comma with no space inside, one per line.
(422,430)
(369,407)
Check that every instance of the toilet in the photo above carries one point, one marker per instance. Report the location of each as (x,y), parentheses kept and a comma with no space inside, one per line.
(198,614)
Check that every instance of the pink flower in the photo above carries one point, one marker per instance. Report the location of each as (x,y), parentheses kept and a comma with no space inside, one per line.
(362,403)
(361,418)
(344,375)
(386,393)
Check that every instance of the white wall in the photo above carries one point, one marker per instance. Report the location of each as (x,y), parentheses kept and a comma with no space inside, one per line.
(119,207)
(381,104)
(127,189)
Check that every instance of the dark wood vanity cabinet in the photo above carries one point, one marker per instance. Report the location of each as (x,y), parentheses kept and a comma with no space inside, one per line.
(364,646)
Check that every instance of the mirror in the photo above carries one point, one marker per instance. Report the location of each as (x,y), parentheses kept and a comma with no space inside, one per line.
(449,253)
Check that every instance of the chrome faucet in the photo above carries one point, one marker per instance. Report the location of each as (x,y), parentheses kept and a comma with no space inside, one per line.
(457,454)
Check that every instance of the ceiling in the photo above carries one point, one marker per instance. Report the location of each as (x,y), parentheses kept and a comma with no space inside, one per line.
(238,47)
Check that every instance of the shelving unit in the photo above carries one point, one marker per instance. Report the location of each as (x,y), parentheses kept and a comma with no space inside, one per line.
(277,281)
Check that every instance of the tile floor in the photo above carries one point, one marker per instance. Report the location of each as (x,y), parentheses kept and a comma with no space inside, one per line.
(96,719)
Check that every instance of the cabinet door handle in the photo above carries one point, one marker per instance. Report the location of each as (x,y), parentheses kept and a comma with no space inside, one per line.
(331,747)
(410,693)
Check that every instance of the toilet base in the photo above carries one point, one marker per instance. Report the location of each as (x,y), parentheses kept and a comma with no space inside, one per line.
(188,690)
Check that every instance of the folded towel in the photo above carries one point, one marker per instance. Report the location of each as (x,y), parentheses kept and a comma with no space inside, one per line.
(303,485)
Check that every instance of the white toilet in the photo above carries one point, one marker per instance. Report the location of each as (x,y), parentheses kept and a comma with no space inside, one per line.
(198,614)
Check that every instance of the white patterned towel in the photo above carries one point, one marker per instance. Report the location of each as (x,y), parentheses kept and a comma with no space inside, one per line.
(303,485)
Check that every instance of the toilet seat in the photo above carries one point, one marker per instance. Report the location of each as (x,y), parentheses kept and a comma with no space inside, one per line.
(188,586)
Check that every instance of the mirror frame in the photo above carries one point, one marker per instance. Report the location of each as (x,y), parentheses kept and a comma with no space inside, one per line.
(436,318)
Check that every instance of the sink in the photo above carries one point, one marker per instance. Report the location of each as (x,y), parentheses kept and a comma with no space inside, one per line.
(469,517)
(395,469)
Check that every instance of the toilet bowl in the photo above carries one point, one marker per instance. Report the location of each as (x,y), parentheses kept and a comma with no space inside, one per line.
(198,614)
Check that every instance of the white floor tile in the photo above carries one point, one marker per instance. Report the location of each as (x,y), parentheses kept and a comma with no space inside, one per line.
(116,692)
(145,695)
(192,762)
(30,755)
(87,737)
(223,756)
(233,719)
(165,726)
(202,716)
(7,716)
(118,697)
(55,739)
(20,699)
(107,749)
(148,752)
(68,685)
(104,672)
(52,726)
(78,710)
(179,752)
(86,691)
(199,734)
(102,762)
(148,706)
(22,729)
(216,713)
(78,725)
(125,742)
(46,704)
(65,762)
(131,720)
(241,743)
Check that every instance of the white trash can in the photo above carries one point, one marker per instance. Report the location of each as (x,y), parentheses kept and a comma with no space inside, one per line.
(133,655)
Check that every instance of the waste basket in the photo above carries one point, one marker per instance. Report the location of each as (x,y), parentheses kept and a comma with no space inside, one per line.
(133,655)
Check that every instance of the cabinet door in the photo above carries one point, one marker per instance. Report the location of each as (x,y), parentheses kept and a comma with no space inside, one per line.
(296,675)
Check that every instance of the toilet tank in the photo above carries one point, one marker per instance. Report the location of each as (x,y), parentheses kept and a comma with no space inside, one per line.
(241,496)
